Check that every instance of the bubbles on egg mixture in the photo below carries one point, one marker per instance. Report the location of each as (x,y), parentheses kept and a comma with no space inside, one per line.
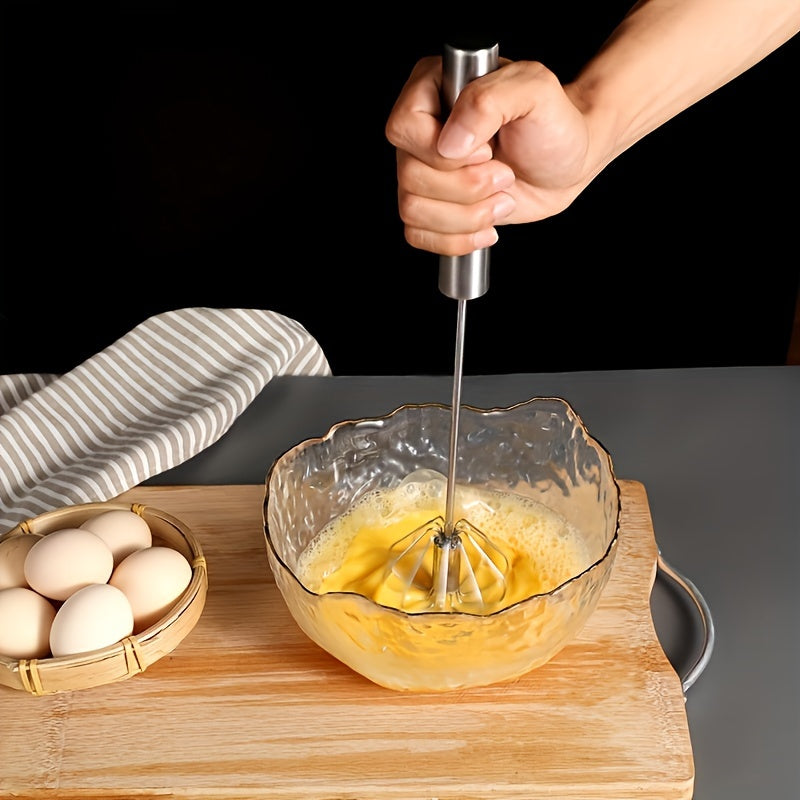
(381,509)
(423,485)
(351,552)
(531,534)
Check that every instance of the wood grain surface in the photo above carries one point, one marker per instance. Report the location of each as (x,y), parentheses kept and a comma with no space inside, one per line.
(247,707)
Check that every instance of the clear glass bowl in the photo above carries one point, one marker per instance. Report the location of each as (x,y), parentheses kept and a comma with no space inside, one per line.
(539,449)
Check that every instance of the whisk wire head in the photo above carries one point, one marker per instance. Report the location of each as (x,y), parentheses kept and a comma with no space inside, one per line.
(461,570)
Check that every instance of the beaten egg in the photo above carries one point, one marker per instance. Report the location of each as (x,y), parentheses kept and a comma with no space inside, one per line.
(353,553)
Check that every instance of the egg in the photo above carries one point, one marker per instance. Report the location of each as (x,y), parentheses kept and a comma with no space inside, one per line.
(13,552)
(152,580)
(122,530)
(26,619)
(67,560)
(91,618)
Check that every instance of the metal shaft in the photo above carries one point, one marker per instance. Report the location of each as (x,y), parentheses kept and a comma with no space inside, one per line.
(455,416)
(461,277)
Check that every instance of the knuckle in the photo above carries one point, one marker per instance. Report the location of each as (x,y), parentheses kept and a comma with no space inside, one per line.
(485,216)
(408,207)
(393,132)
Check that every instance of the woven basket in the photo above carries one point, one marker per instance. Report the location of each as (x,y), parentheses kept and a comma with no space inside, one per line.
(134,654)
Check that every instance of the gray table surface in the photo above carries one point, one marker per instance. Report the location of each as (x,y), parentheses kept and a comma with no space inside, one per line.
(718,451)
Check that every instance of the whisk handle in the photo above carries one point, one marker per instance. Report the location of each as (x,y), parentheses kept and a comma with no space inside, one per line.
(465,277)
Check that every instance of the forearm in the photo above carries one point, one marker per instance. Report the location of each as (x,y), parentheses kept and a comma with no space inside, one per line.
(668,54)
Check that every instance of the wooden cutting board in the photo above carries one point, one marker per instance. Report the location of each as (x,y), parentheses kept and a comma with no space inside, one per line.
(247,707)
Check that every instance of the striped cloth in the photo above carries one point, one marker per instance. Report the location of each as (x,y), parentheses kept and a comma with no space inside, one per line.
(166,390)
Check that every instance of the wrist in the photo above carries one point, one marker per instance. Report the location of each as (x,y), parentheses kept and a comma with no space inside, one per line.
(605,129)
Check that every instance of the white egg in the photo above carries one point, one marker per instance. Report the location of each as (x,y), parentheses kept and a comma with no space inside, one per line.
(13,552)
(94,617)
(122,530)
(67,560)
(152,579)
(25,622)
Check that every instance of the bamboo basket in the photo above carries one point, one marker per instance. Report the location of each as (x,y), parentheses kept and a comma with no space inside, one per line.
(135,653)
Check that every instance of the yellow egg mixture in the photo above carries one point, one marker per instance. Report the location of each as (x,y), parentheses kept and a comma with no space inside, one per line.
(354,552)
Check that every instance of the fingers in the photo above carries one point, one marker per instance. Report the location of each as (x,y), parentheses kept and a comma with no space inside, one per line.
(463,185)
(414,123)
(453,230)
(453,212)
(449,206)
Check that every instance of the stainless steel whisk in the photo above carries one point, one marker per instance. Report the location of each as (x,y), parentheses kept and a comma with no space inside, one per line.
(459,549)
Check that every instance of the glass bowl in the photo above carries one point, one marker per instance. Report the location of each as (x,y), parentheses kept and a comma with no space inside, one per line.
(537,453)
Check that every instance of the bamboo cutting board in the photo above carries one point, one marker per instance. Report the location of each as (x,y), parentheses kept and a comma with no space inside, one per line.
(247,707)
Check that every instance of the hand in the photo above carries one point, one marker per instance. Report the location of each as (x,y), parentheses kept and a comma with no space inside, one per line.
(514,149)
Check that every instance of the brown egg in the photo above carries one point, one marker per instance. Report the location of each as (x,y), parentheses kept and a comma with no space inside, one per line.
(152,580)
(67,560)
(122,530)
(13,551)
(94,617)
(25,621)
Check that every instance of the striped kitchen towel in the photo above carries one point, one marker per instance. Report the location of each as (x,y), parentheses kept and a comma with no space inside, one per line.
(157,396)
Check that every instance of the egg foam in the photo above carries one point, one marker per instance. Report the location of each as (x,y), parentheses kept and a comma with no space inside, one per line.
(354,552)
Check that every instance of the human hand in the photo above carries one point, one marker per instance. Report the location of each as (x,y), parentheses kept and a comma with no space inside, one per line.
(514,149)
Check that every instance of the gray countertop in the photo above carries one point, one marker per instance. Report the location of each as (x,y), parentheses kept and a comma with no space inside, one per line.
(718,451)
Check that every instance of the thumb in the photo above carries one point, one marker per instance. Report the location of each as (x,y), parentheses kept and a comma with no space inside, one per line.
(466,129)
(514,91)
(473,120)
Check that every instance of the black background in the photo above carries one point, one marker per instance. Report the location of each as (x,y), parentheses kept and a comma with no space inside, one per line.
(164,156)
